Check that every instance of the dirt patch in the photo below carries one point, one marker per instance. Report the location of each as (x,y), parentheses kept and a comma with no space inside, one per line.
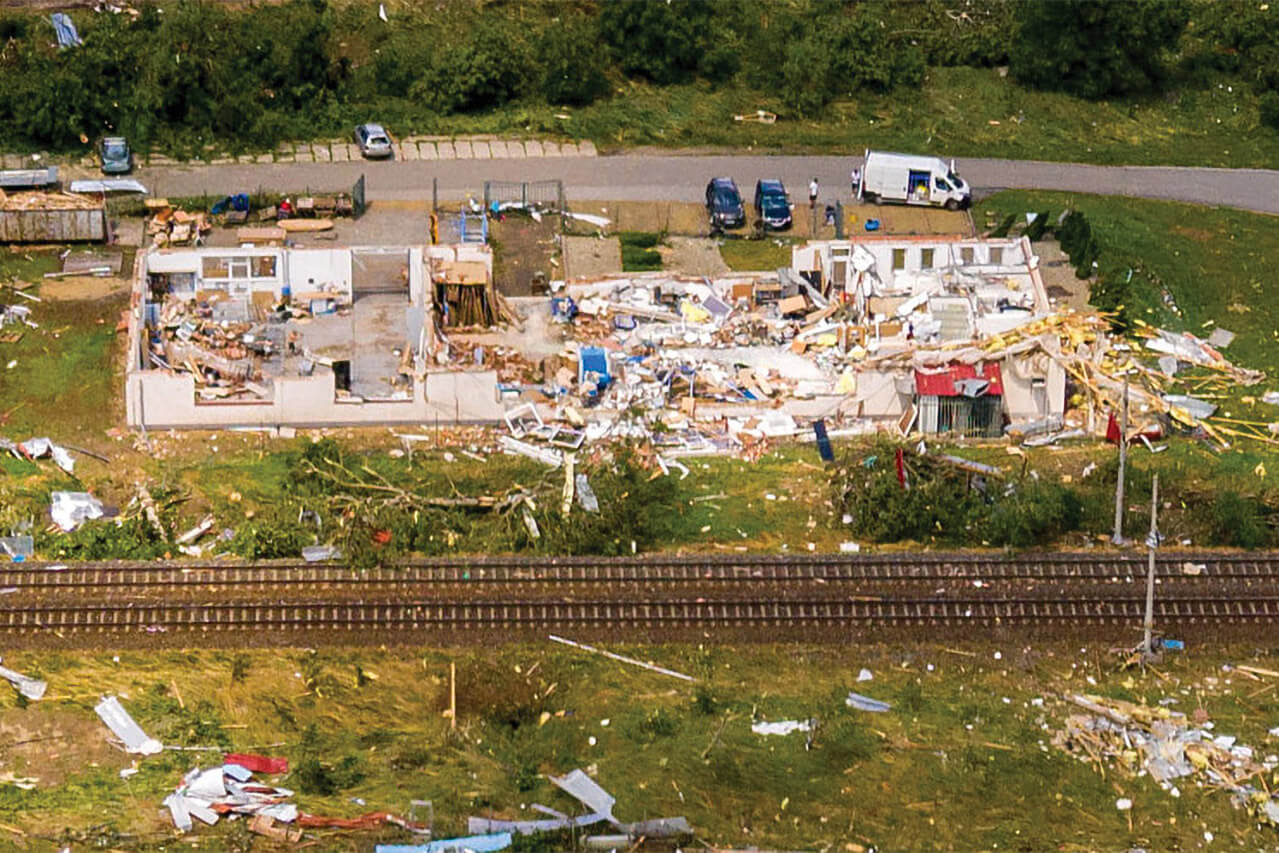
(588,257)
(1198,234)
(523,247)
(693,256)
(659,217)
(88,288)
(1060,283)
(50,744)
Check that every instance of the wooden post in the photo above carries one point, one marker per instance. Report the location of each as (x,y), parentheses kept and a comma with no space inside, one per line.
(1152,542)
(452,695)
(1118,537)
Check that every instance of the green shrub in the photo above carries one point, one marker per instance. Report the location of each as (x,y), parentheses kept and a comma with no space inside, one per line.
(640,239)
(272,535)
(1269,109)
(1034,514)
(1237,521)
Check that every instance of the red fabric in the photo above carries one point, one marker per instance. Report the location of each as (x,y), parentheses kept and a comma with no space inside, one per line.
(258,763)
(900,461)
(1154,432)
(942,383)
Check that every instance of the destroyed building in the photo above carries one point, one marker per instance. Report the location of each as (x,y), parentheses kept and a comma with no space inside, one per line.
(265,336)
(917,306)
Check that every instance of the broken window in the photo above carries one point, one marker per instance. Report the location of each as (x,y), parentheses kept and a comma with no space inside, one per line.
(899,259)
(926,258)
(215,267)
(967,255)
(264,266)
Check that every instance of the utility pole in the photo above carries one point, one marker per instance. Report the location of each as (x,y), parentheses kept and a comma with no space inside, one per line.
(1118,537)
(1152,543)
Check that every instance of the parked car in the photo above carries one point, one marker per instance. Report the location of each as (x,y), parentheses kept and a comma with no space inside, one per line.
(115,156)
(724,204)
(772,205)
(373,140)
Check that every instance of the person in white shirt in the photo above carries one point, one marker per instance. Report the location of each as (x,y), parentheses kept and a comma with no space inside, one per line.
(856,177)
(812,194)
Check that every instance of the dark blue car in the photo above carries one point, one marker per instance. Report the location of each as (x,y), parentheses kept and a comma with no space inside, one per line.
(724,204)
(772,205)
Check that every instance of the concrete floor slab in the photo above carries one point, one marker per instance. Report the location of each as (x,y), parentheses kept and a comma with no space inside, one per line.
(427,151)
(586,148)
(497,148)
(446,150)
(481,150)
(408,151)
(464,149)
(515,149)
(550,149)
(321,152)
(532,148)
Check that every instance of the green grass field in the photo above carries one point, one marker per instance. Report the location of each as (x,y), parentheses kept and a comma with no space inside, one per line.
(961,762)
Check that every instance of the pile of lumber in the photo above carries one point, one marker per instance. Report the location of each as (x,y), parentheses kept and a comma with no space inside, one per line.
(47,201)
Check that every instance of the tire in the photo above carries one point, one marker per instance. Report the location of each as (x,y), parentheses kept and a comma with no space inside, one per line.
(951,204)
(873,198)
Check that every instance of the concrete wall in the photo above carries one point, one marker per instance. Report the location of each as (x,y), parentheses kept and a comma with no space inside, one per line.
(327,267)
(155,399)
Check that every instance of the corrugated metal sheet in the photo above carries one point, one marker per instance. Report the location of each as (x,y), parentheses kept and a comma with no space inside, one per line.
(52,226)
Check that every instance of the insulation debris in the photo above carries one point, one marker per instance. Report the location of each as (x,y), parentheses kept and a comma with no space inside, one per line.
(122,726)
(1137,738)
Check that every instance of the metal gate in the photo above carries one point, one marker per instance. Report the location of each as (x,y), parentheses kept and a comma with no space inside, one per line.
(980,417)
(545,195)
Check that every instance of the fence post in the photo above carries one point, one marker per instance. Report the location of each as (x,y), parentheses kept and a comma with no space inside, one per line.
(435,195)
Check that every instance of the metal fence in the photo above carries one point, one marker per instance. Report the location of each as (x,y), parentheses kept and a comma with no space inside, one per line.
(546,195)
(980,417)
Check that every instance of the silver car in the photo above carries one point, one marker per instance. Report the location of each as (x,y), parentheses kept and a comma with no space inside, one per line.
(373,140)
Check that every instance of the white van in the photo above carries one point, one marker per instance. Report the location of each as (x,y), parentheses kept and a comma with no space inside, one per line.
(912,179)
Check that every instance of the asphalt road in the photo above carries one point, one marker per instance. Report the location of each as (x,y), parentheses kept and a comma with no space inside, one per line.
(650,177)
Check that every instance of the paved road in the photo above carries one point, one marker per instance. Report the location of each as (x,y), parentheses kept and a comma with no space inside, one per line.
(646,177)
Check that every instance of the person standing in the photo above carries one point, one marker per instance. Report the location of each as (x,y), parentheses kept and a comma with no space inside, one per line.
(812,194)
(856,177)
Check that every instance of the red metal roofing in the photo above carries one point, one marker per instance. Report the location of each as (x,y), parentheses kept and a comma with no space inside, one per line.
(944,382)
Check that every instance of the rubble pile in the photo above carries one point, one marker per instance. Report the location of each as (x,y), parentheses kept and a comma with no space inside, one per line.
(231,346)
(1163,743)
(729,363)
(170,226)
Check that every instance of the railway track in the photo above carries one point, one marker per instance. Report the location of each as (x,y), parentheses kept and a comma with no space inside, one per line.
(826,597)
(516,615)
(736,570)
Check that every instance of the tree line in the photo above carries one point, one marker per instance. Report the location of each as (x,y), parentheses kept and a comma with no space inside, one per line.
(193,73)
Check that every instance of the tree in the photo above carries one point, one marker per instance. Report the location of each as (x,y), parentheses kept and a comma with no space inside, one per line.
(1096,48)
(572,61)
(656,40)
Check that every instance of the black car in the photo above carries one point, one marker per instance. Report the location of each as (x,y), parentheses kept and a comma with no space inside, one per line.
(772,205)
(724,204)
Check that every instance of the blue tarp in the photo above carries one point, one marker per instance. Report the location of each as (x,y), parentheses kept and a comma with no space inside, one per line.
(476,843)
(239,201)
(593,360)
(67,36)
